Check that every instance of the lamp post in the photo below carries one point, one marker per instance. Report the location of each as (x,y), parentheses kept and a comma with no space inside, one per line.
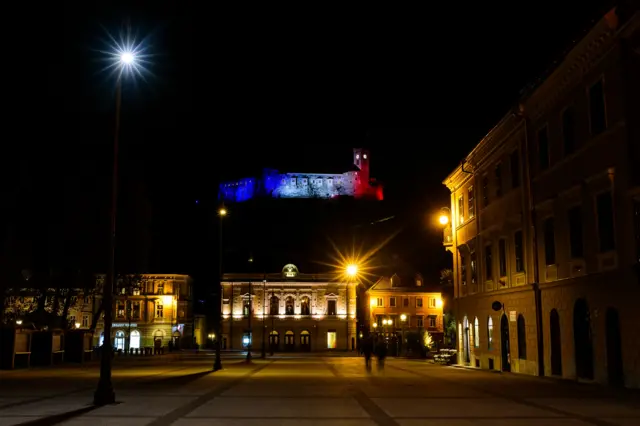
(104,393)
(263,351)
(217,364)
(403,319)
(271,335)
(352,273)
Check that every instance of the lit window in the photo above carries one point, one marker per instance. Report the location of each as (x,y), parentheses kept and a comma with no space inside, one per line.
(476,333)
(331,339)
(159,310)
(364,156)
(419,302)
(357,156)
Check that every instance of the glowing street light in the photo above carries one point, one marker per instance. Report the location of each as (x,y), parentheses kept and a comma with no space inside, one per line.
(222,211)
(127,58)
(352,270)
(444,219)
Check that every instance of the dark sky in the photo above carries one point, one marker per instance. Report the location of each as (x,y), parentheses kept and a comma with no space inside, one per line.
(230,91)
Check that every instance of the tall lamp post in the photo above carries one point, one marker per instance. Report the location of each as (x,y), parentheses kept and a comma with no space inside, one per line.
(352,273)
(104,393)
(403,319)
(263,353)
(217,364)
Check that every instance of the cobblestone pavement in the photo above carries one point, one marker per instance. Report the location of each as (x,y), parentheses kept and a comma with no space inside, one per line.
(306,391)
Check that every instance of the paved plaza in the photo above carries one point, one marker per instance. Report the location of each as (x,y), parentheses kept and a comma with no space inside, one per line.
(305,391)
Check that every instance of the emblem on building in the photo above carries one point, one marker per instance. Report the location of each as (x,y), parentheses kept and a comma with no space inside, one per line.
(290,271)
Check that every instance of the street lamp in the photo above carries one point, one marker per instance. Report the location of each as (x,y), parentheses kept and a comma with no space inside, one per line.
(352,273)
(104,394)
(445,216)
(217,364)
(403,319)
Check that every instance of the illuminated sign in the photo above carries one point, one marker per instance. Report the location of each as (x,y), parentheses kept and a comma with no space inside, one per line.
(290,271)
(124,324)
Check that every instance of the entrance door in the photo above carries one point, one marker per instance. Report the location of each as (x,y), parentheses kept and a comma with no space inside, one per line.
(119,343)
(274,340)
(583,343)
(289,343)
(556,344)
(465,337)
(614,348)
(505,343)
(305,341)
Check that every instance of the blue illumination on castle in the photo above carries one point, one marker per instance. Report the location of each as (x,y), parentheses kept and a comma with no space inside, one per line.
(354,183)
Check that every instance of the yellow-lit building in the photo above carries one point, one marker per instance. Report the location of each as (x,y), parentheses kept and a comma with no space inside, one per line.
(149,313)
(403,304)
(291,311)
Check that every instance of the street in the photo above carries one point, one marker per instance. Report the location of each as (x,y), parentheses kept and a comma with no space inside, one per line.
(309,390)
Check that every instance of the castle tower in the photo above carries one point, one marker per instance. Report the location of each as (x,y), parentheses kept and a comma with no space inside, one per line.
(361,160)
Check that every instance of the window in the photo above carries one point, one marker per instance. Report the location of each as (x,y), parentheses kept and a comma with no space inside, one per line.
(274,304)
(522,338)
(332,339)
(597,110)
(331,307)
(517,241)
(502,257)
(392,302)
(293,181)
(405,302)
(289,306)
(85,321)
(461,209)
(576,242)
(136,310)
(121,309)
(606,238)
(488,262)
(549,241)
(514,162)
(159,310)
(433,321)
(419,302)
(485,191)
(471,202)
(498,174)
(476,333)
(543,148)
(463,269)
(304,306)
(432,302)
(161,288)
(490,333)
(379,302)
(246,308)
(474,269)
(420,322)
(568,131)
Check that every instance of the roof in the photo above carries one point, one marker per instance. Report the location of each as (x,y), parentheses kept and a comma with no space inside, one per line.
(403,283)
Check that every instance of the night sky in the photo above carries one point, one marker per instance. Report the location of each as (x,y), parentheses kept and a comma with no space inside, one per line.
(230,92)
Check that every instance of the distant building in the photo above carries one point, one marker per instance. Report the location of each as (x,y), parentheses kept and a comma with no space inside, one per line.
(291,311)
(356,182)
(398,305)
(545,221)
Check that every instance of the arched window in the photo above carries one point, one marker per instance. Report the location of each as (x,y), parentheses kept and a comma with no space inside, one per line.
(522,338)
(119,340)
(476,333)
(304,306)
(490,333)
(134,340)
(289,306)
(274,305)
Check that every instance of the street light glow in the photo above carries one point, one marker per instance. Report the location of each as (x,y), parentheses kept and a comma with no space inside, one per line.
(126,55)
(127,58)
(352,270)
(444,219)
(222,211)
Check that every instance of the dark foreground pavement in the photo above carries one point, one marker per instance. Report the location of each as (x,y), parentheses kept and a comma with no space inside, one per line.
(305,391)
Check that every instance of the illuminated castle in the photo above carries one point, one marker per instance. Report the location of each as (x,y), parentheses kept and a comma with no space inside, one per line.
(356,183)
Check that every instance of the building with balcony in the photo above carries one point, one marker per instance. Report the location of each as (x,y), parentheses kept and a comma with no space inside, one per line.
(545,221)
(288,311)
(401,305)
(149,311)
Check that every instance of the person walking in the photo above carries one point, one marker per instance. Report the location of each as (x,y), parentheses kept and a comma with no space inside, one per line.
(367,350)
(381,352)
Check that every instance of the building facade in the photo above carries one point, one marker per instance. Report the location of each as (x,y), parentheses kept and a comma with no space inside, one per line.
(149,311)
(288,311)
(400,305)
(545,223)
(356,182)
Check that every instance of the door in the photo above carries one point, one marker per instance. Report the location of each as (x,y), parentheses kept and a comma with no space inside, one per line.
(119,343)
(305,341)
(505,343)
(614,348)
(583,341)
(556,344)
(274,340)
(289,343)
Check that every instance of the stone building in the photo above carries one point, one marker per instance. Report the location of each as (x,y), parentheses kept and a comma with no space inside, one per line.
(353,181)
(545,221)
(151,311)
(291,311)
(402,304)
